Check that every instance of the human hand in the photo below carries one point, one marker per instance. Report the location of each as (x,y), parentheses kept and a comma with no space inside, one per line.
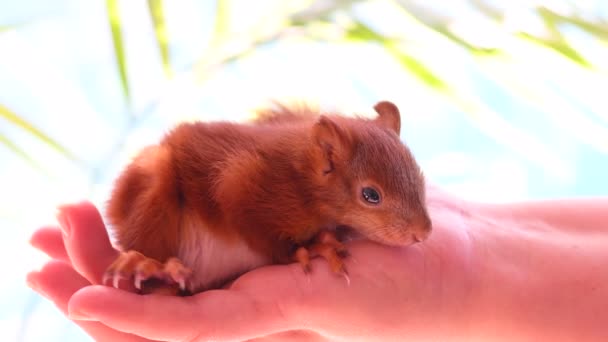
(420,291)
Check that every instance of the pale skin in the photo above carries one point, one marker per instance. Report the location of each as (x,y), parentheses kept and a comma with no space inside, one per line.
(524,271)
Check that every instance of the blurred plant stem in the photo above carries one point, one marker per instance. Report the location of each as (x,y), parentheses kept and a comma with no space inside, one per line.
(119,49)
(160,29)
(12,118)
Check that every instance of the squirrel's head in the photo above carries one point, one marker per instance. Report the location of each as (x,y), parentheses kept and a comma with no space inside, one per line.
(368,179)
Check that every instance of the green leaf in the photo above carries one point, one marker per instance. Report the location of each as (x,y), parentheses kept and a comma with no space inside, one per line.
(440,25)
(361,32)
(25,125)
(462,42)
(18,151)
(554,39)
(597,29)
(560,46)
(158,20)
(115,26)
(488,9)
(419,69)
(219,36)
(222,20)
(202,68)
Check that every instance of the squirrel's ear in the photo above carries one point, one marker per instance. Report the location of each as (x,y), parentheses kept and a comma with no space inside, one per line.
(332,141)
(388,116)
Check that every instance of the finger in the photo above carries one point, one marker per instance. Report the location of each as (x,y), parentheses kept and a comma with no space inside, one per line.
(86,240)
(50,241)
(57,282)
(211,315)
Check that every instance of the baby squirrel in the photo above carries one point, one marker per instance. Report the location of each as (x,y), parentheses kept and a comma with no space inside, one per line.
(214,200)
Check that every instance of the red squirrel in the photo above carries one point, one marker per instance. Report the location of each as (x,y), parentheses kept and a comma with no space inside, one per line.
(214,200)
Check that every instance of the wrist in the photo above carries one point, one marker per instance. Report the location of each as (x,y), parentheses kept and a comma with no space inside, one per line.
(535,280)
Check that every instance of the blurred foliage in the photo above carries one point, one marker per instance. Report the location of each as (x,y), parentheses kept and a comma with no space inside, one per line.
(119,49)
(339,21)
(17,120)
(360,32)
(158,20)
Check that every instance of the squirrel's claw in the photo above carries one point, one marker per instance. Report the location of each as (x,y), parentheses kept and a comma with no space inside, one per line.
(136,266)
(327,246)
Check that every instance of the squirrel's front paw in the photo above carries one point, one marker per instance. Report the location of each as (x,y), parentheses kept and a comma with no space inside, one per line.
(136,266)
(327,246)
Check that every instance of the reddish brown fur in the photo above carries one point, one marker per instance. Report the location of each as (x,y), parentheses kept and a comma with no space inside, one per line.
(275,184)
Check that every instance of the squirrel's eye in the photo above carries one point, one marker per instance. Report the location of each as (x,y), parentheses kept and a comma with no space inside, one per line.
(371,195)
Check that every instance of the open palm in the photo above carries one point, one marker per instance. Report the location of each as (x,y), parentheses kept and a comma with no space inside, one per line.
(394,293)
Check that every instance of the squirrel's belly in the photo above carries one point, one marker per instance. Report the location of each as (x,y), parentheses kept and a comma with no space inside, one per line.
(214,260)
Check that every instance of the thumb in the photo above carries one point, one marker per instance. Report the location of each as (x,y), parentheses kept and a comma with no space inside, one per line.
(212,315)
(86,240)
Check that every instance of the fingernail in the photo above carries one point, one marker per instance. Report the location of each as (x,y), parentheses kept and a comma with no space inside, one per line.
(78,315)
(64,221)
(33,284)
